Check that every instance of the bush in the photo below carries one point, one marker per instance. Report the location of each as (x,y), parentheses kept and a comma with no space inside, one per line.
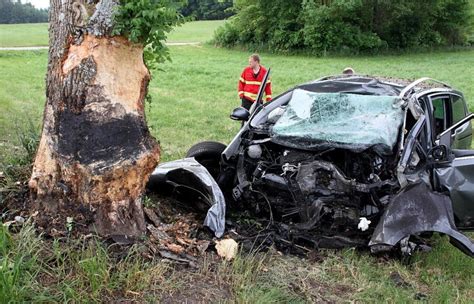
(227,35)
(208,9)
(355,26)
(337,28)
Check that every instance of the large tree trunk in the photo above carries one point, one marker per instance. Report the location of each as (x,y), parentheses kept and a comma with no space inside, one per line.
(95,149)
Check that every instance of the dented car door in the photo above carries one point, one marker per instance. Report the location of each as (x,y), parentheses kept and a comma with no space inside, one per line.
(418,207)
(454,173)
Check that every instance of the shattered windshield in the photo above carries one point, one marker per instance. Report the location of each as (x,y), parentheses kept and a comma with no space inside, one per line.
(351,121)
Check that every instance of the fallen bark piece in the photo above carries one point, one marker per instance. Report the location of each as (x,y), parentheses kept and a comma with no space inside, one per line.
(227,249)
(202,246)
(152,216)
(157,234)
(184,242)
(175,248)
(174,257)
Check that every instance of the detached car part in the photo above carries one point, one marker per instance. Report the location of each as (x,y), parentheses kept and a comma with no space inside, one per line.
(188,173)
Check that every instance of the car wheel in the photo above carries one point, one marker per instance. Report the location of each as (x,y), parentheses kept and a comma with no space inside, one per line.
(208,154)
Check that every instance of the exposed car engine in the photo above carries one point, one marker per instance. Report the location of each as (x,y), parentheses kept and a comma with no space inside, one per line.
(330,191)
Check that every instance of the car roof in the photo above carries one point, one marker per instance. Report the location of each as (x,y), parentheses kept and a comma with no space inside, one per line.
(371,85)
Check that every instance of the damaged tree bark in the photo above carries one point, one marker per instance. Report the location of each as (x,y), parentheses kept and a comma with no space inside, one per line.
(95,149)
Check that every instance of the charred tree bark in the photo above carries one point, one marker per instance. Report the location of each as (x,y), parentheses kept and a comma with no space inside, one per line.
(95,148)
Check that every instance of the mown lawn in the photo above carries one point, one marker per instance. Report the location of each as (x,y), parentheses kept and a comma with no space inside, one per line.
(201,85)
(194,94)
(195,31)
(192,98)
(29,34)
(36,34)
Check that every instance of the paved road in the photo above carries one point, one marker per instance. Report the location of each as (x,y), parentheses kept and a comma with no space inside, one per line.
(23,48)
(182,43)
(35,48)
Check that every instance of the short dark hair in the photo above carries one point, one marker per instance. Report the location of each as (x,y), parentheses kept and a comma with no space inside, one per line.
(255,57)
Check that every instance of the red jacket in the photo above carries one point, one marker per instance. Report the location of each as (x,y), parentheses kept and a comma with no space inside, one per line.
(249,83)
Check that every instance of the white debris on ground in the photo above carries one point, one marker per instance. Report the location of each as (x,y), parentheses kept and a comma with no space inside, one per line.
(17,221)
(20,220)
(227,249)
(364,224)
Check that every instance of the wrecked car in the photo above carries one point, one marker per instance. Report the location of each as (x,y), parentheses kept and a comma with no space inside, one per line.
(343,161)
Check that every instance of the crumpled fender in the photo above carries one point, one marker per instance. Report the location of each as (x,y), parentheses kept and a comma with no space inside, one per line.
(189,173)
(414,210)
(457,178)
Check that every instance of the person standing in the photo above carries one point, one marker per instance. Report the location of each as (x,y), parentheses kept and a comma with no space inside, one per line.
(250,81)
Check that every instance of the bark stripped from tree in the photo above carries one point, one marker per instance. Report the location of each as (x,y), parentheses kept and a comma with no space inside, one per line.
(95,149)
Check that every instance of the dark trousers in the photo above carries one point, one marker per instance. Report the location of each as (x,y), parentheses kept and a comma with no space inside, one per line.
(246,103)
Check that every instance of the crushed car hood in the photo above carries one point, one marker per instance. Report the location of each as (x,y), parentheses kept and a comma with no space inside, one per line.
(338,120)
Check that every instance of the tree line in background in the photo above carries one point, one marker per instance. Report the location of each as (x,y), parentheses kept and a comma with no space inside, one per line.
(208,9)
(16,12)
(13,11)
(347,26)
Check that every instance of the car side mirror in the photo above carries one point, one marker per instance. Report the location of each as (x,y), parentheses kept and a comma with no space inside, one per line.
(240,114)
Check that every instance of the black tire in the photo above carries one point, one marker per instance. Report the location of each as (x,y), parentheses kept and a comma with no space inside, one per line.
(208,154)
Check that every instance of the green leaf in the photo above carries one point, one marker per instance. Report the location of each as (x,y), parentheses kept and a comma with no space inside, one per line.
(148,22)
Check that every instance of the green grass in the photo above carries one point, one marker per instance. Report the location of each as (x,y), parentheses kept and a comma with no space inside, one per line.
(194,94)
(201,85)
(33,269)
(22,93)
(192,98)
(196,31)
(30,34)
(36,34)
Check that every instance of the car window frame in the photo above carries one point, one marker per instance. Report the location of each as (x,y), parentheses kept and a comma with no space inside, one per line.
(463,101)
(426,97)
(447,109)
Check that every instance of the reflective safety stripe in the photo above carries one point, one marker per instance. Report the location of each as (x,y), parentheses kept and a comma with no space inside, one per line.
(241,92)
(251,95)
(254,82)
(242,80)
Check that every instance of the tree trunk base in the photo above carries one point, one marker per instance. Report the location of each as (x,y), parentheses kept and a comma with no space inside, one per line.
(95,150)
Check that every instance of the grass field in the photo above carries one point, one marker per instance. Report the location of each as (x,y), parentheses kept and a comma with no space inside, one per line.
(192,99)
(196,31)
(200,85)
(32,34)
(37,34)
